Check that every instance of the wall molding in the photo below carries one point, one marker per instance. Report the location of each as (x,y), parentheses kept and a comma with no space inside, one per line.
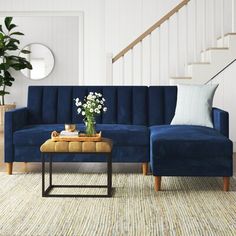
(79,14)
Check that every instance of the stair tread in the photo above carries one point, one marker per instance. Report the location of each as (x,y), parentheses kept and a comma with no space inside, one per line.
(226,35)
(199,63)
(181,77)
(215,48)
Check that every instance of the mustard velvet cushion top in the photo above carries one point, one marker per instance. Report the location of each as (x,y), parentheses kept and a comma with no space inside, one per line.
(105,145)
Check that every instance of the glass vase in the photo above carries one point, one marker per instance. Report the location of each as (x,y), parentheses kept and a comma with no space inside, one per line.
(90,124)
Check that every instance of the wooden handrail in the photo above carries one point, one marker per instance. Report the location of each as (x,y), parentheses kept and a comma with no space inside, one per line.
(150,30)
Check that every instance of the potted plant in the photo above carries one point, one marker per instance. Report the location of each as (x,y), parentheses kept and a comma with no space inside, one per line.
(9,60)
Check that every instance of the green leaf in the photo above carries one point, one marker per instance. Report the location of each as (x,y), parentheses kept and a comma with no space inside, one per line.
(27,65)
(4,66)
(16,33)
(2,93)
(26,51)
(11,47)
(7,74)
(8,21)
(8,83)
(18,66)
(12,26)
(14,40)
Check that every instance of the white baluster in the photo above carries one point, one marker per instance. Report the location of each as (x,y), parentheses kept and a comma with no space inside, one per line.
(233,15)
(177,43)
(150,58)
(222,22)
(186,25)
(168,48)
(213,22)
(123,70)
(159,53)
(109,69)
(204,30)
(195,32)
(141,62)
(132,66)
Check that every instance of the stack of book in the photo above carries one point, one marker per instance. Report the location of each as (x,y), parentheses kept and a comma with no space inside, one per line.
(65,133)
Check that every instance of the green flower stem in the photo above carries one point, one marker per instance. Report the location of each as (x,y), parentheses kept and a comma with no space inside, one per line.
(90,125)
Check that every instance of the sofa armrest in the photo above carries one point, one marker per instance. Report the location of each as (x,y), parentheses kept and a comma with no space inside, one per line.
(14,120)
(221,121)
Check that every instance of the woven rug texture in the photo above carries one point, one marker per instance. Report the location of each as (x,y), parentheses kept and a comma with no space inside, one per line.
(185,206)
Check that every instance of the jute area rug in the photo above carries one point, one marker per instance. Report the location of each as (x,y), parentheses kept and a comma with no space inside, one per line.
(186,206)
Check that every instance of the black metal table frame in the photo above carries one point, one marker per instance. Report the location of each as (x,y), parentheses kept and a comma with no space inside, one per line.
(46,192)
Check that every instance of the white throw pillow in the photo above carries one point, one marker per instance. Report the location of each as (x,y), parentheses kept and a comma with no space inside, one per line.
(194,105)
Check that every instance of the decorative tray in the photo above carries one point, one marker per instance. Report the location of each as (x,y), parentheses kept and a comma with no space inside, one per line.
(55,136)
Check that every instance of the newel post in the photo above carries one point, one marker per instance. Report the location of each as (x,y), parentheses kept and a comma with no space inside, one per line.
(109,69)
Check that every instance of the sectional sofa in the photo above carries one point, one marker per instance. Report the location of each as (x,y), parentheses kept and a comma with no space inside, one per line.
(138,121)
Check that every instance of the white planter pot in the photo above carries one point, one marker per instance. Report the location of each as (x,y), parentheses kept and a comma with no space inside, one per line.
(3,109)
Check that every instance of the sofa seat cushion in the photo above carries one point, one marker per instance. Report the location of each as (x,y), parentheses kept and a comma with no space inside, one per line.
(188,140)
(123,135)
(186,150)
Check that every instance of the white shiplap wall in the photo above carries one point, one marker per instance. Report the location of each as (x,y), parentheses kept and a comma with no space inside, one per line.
(61,35)
(109,25)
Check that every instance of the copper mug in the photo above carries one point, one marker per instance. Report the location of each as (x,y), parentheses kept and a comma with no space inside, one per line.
(70,127)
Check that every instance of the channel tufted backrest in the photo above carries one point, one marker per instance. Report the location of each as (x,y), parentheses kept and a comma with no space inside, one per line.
(162,103)
(54,104)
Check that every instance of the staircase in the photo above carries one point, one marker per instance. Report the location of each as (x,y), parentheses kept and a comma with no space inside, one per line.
(188,45)
(212,61)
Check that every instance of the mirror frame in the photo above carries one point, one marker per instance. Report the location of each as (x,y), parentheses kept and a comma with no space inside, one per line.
(52,56)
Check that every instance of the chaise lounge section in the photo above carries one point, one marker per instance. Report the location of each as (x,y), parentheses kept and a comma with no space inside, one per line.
(187,150)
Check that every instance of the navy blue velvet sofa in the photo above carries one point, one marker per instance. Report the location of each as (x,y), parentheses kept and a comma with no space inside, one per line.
(137,121)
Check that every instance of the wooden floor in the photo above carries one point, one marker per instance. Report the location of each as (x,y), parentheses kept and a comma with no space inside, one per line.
(75,167)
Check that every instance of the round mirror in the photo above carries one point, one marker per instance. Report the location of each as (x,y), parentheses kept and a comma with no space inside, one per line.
(41,59)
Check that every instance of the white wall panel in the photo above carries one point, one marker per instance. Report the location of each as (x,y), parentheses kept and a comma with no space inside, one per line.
(61,35)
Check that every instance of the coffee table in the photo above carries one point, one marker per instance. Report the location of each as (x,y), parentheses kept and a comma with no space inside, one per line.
(51,148)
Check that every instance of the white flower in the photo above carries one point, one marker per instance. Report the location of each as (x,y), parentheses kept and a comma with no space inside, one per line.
(83,113)
(99,106)
(85,105)
(105,109)
(79,110)
(90,93)
(91,110)
(77,102)
(89,105)
(80,103)
(101,102)
(103,99)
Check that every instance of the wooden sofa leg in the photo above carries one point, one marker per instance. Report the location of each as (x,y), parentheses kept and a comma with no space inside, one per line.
(25,167)
(9,167)
(157,183)
(145,168)
(226,181)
